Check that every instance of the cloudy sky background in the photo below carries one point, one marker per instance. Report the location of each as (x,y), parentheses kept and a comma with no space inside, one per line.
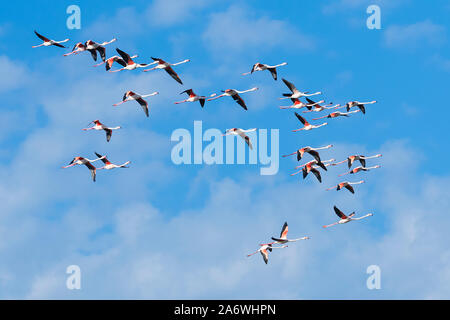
(158,230)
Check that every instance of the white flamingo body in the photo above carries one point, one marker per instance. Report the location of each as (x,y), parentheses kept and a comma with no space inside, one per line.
(264,250)
(347,185)
(319,108)
(344,218)
(100,126)
(192,97)
(161,64)
(312,151)
(129,63)
(315,162)
(108,165)
(77,48)
(234,94)
(358,104)
(306,125)
(130,95)
(358,169)
(241,133)
(84,161)
(299,104)
(313,166)
(92,47)
(49,42)
(338,114)
(295,92)
(362,159)
(283,236)
(261,67)
(110,61)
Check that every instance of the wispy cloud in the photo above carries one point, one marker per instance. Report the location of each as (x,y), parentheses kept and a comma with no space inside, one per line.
(420,34)
(201,252)
(18,74)
(237,30)
(343,6)
(171,12)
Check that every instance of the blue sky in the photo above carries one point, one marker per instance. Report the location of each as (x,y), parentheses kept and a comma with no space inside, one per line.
(158,230)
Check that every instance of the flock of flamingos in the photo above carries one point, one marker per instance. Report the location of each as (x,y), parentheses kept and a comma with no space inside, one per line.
(127,63)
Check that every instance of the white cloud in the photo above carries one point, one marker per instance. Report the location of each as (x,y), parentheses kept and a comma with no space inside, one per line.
(170,12)
(201,252)
(343,6)
(18,74)
(440,62)
(238,30)
(130,247)
(420,34)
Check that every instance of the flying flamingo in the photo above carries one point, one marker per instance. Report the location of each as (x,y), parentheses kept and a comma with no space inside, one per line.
(86,162)
(129,63)
(48,42)
(100,126)
(77,48)
(311,167)
(264,250)
(161,64)
(315,162)
(358,169)
(347,185)
(108,165)
(93,47)
(261,67)
(306,125)
(295,92)
(344,218)
(318,107)
(110,61)
(130,95)
(192,97)
(358,104)
(235,95)
(240,132)
(283,236)
(299,104)
(337,114)
(362,159)
(312,151)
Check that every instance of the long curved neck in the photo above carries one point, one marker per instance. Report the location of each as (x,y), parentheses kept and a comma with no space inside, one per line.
(252,89)
(321,148)
(150,94)
(298,239)
(371,157)
(367,215)
(108,42)
(369,102)
(278,65)
(184,61)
